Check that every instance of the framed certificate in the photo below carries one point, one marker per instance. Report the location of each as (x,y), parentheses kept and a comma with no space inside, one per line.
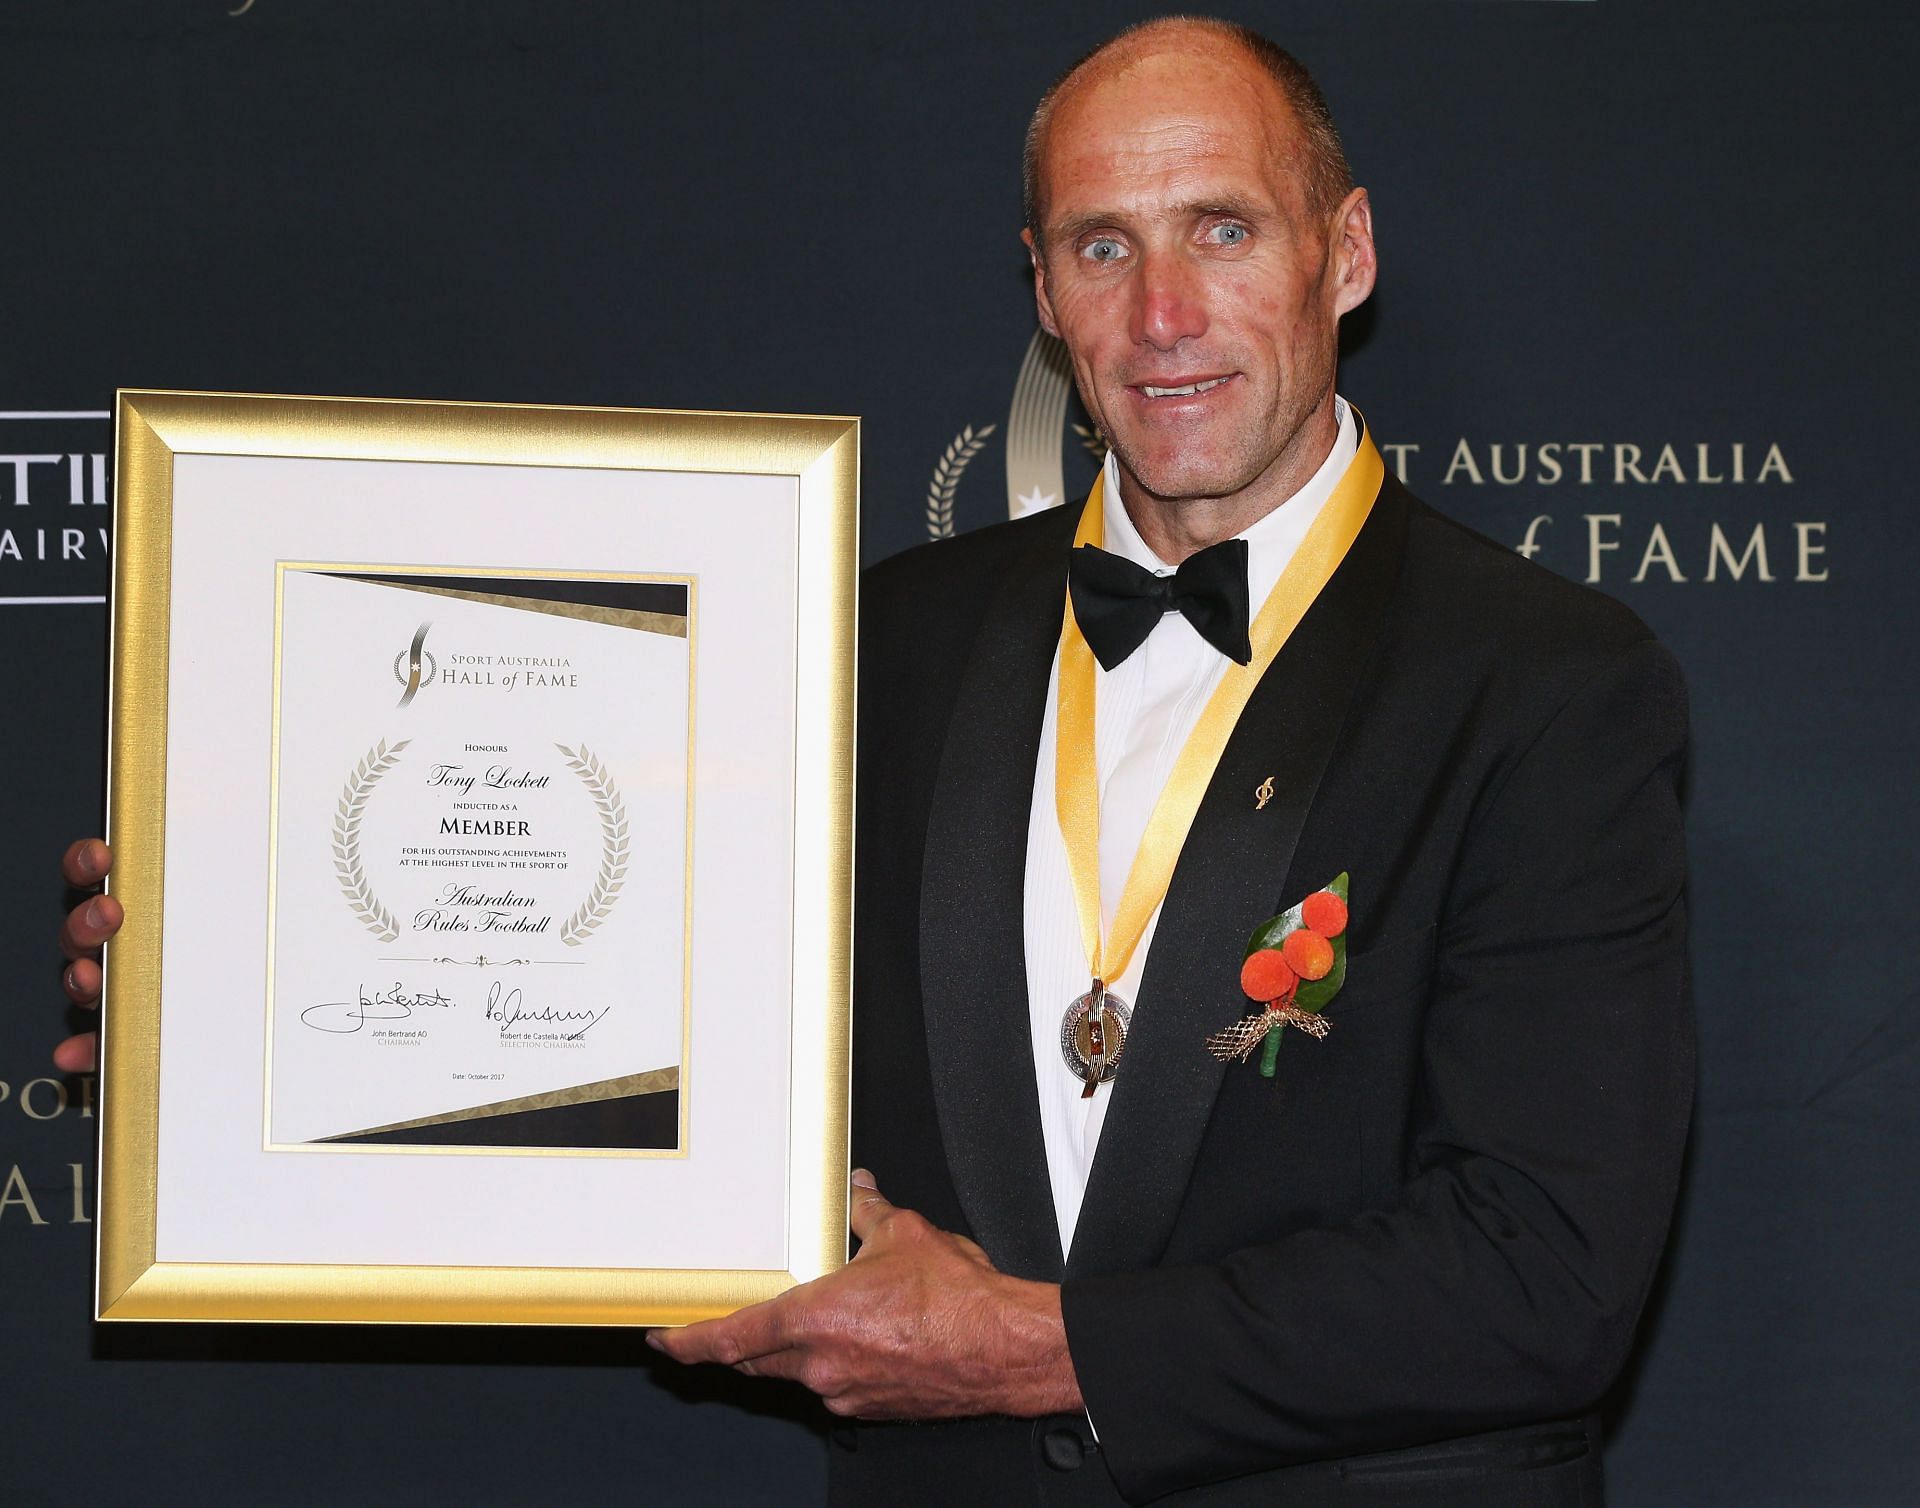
(481,792)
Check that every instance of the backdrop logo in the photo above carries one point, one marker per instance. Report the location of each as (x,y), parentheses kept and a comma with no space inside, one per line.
(54,513)
(1037,425)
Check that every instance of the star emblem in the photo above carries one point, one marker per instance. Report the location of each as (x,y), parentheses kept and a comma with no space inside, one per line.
(1032,502)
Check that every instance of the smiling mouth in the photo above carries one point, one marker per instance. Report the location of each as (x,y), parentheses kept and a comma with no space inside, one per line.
(1187,391)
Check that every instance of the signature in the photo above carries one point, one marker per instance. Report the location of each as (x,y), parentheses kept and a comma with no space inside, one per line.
(342,1016)
(510,1008)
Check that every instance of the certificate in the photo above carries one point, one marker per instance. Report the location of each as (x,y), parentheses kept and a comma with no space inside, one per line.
(481,791)
(479,858)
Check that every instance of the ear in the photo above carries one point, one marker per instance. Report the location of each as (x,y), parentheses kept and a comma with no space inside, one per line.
(1043,304)
(1352,262)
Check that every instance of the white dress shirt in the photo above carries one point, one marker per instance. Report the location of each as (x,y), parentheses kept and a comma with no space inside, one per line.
(1143,711)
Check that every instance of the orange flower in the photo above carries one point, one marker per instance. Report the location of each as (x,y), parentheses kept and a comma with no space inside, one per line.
(1266,976)
(1308,953)
(1325,912)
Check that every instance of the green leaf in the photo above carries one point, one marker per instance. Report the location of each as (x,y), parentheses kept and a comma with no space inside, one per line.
(1270,934)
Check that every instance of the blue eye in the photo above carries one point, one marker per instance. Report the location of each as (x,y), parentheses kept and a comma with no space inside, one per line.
(1103,249)
(1230,235)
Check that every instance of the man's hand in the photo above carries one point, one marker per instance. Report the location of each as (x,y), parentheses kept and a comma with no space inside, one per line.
(88,925)
(919,1325)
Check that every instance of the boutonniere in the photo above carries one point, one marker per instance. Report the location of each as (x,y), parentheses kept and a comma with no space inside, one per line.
(1294,966)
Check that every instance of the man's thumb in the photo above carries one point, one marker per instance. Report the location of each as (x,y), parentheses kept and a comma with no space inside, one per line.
(866,1206)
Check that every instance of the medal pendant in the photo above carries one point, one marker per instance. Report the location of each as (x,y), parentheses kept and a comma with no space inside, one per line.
(1093,1033)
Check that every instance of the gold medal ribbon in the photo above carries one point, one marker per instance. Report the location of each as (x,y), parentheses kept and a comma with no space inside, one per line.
(1076,770)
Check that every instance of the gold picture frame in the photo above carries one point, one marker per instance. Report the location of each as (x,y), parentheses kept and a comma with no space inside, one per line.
(162,436)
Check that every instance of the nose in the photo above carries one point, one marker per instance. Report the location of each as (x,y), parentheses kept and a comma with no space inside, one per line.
(1169,300)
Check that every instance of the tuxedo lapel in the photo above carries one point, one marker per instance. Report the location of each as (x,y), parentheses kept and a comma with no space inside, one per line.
(973,973)
(1233,874)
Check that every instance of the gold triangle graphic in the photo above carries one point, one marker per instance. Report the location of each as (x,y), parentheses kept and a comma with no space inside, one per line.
(653,1081)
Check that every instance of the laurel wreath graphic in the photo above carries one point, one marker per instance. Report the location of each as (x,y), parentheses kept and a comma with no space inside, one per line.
(613,846)
(346,839)
(946,478)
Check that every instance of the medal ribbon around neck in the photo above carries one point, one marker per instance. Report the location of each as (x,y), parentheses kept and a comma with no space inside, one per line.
(1076,769)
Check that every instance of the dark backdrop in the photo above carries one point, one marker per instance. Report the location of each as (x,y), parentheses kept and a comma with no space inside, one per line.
(1631,223)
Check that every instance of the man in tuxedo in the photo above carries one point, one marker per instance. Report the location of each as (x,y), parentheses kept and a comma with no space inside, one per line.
(1406,1266)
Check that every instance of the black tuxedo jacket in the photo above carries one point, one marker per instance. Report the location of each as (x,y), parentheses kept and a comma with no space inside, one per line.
(1404,1269)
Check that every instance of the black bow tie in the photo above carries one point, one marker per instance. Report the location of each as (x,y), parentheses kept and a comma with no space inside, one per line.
(1116,603)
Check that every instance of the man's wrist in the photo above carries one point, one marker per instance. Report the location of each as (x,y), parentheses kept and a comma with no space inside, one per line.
(1038,1377)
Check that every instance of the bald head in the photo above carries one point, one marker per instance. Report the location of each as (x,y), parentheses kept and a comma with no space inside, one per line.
(1320,159)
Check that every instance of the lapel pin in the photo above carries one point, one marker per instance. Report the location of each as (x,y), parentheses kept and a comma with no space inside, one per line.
(1263,795)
